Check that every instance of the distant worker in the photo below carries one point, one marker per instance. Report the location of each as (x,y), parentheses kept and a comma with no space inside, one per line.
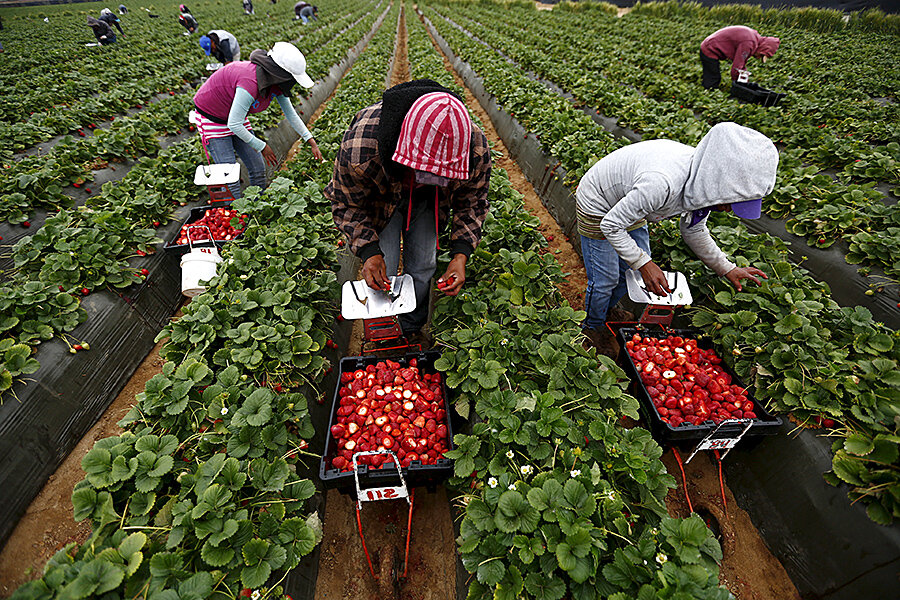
(243,87)
(737,44)
(188,21)
(102,31)
(222,45)
(306,12)
(122,9)
(248,7)
(110,19)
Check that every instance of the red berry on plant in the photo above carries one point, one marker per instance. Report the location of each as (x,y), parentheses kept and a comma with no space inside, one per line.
(26,223)
(145,272)
(85,291)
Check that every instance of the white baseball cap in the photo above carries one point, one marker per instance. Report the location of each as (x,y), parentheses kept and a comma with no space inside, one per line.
(289,58)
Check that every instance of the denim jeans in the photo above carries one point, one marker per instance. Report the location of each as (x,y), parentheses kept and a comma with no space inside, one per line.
(606,275)
(419,253)
(225,150)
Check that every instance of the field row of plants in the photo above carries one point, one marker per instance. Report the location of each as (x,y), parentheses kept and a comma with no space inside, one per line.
(99,245)
(560,500)
(837,142)
(203,495)
(804,354)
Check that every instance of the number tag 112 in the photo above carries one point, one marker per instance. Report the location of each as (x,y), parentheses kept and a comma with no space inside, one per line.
(383,493)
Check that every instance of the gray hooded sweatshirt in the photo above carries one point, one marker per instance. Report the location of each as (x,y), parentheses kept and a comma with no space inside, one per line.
(660,179)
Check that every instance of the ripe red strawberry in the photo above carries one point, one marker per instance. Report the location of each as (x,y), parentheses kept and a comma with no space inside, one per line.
(156,223)
(77,346)
(88,190)
(145,272)
(85,291)
(26,223)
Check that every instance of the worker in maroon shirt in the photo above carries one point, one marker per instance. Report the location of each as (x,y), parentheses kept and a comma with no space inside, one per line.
(737,44)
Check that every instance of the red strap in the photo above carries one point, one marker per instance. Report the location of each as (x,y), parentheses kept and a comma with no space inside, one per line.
(412,182)
(437,233)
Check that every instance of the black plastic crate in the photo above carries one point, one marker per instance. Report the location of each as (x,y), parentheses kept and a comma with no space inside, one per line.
(416,474)
(752,92)
(764,424)
(195,215)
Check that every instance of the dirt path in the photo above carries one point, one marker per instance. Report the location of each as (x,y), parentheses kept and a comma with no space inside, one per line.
(343,569)
(47,525)
(748,569)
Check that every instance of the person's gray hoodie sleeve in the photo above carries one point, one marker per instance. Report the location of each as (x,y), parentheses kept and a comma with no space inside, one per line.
(648,195)
(704,246)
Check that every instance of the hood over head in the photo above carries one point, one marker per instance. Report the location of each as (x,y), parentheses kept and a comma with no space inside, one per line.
(105,11)
(92,21)
(731,164)
(768,46)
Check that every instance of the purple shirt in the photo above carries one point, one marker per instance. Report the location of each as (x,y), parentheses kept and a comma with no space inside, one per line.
(738,43)
(216,95)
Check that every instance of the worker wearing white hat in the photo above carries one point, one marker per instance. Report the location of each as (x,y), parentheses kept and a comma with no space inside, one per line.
(242,87)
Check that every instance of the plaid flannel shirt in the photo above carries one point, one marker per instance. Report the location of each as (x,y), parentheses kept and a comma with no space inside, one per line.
(363,196)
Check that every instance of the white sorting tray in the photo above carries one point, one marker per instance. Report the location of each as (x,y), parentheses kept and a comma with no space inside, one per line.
(681,293)
(377,304)
(217,174)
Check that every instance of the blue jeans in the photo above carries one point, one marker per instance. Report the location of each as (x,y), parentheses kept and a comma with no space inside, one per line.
(226,149)
(606,276)
(419,254)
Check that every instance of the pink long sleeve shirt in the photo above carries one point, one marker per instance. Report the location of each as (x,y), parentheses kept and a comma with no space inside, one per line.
(738,43)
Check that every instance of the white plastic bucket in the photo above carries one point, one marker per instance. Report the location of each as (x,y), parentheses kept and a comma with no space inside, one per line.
(198,265)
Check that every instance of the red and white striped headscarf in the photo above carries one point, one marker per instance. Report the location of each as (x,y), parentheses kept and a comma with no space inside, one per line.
(435,136)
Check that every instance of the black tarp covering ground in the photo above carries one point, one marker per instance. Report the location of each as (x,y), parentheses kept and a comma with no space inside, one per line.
(830,548)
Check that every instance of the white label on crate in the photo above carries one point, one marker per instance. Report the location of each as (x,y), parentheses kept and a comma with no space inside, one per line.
(718,444)
(384,493)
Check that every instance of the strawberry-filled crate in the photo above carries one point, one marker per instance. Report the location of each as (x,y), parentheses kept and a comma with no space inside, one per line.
(685,389)
(220,220)
(396,404)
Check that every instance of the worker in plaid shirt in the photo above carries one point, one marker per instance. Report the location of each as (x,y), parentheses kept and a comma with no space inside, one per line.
(407,163)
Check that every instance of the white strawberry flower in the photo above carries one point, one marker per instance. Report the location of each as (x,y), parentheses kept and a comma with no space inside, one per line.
(509,454)
(512,487)
(224,411)
(662,558)
(526,469)
(255,595)
(492,482)
(575,472)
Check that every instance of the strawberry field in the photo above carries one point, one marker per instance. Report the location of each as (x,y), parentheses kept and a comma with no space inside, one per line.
(558,488)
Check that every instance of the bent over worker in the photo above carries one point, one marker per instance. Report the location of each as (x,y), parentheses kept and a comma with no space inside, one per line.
(731,169)
(225,99)
(102,31)
(405,165)
(222,45)
(737,44)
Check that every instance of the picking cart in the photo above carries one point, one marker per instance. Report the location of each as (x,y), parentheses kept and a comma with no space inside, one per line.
(392,479)
(656,322)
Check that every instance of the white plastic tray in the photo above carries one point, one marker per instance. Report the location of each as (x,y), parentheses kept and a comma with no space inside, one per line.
(377,303)
(214,66)
(681,293)
(217,174)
